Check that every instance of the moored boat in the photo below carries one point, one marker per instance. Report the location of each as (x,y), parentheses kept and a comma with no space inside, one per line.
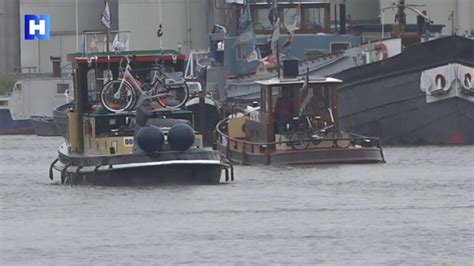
(300,127)
(44,126)
(11,126)
(34,96)
(425,95)
(143,146)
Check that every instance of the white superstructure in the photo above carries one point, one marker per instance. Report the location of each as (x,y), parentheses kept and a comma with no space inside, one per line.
(37,96)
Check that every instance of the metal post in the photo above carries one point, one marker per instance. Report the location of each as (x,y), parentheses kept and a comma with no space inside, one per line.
(401,16)
(383,25)
(77,28)
(202,116)
(107,33)
(275,5)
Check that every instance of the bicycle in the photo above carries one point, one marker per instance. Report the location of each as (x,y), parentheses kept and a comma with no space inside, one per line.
(121,95)
(306,131)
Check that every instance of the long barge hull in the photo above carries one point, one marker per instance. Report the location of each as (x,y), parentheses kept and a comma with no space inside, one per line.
(384,99)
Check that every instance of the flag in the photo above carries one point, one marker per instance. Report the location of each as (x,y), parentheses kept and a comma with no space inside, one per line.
(105,17)
(83,45)
(245,28)
(126,44)
(269,60)
(306,93)
(275,21)
(245,20)
(116,44)
(294,20)
(93,44)
(293,24)
(275,35)
(246,35)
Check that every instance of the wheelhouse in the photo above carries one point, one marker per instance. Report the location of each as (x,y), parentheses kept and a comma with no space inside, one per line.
(91,128)
(311,96)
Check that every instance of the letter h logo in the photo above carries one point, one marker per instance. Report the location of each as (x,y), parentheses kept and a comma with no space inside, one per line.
(36,26)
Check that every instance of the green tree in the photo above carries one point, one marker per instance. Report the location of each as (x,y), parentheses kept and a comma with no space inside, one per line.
(6,83)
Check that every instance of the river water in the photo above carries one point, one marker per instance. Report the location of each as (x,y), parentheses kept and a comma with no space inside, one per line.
(416,209)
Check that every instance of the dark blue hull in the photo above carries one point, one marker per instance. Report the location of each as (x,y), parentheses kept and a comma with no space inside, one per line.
(9,126)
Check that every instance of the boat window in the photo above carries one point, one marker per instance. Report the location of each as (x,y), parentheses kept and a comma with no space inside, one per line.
(313,19)
(220,46)
(61,88)
(3,103)
(91,85)
(325,99)
(313,53)
(261,21)
(339,46)
(288,15)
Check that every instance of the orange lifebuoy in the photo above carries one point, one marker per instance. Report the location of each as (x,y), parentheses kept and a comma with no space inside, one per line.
(383,48)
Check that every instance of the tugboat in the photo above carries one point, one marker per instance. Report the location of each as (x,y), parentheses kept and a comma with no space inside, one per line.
(149,144)
(300,127)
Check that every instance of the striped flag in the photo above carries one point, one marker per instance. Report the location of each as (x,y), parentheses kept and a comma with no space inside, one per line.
(105,17)
(83,45)
(245,29)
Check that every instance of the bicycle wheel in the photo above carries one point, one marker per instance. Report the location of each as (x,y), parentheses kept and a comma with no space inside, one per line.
(316,137)
(341,140)
(174,97)
(117,96)
(299,141)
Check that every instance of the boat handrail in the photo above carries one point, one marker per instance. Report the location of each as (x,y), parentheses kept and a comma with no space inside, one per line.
(354,137)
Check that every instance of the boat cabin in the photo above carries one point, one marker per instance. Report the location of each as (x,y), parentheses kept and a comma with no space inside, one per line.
(283,101)
(297,123)
(94,130)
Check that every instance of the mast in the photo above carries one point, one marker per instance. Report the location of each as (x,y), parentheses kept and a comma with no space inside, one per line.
(401,16)
(107,30)
(275,6)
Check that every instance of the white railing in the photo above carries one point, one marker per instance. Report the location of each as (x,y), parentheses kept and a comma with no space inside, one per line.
(95,41)
(194,56)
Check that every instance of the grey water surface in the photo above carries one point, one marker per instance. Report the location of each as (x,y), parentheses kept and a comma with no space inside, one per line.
(416,209)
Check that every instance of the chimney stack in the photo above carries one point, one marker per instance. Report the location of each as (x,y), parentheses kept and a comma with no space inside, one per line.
(56,66)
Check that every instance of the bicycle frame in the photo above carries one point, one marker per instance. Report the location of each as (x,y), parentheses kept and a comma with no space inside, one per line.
(128,77)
